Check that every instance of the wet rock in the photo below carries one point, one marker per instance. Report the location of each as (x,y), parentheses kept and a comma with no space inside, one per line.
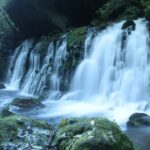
(130,25)
(139,120)
(2,86)
(5,112)
(91,134)
(26,102)
(24,133)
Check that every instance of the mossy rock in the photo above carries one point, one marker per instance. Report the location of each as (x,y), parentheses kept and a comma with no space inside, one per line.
(91,134)
(129,24)
(19,132)
(139,120)
(76,37)
(5,112)
(75,53)
(26,102)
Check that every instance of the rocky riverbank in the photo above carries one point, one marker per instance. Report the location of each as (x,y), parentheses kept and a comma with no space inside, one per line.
(18,132)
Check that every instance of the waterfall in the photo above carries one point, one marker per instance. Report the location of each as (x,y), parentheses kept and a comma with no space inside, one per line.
(113,79)
(60,55)
(18,63)
(117,73)
(30,73)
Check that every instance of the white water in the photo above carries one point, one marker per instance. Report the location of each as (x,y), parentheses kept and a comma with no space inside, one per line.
(111,81)
(19,59)
(60,55)
(31,74)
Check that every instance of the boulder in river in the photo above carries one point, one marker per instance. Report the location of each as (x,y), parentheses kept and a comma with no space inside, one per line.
(91,134)
(24,133)
(5,112)
(26,102)
(139,120)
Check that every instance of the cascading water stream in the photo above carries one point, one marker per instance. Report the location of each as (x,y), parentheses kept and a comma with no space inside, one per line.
(60,55)
(115,72)
(16,72)
(31,74)
(113,80)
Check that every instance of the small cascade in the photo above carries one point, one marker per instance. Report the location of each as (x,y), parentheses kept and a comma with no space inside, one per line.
(39,82)
(34,74)
(34,67)
(17,68)
(88,43)
(60,55)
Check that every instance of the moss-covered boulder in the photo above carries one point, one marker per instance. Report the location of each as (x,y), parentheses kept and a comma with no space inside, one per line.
(5,112)
(24,133)
(91,134)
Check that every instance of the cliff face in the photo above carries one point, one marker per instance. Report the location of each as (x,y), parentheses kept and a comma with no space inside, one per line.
(38,17)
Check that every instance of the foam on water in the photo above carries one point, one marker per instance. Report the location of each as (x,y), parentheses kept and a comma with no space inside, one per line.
(113,80)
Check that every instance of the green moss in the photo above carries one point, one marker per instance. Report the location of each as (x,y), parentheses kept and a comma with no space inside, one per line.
(63,123)
(7,26)
(45,41)
(89,134)
(75,51)
(9,127)
(146,8)
(76,37)
(3,3)
(117,10)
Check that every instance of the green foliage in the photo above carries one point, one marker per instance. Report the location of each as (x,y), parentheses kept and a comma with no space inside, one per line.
(146,8)
(76,37)
(116,10)
(10,125)
(63,123)
(45,41)
(6,25)
(75,50)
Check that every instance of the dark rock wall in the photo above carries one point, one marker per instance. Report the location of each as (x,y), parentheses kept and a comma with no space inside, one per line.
(38,17)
